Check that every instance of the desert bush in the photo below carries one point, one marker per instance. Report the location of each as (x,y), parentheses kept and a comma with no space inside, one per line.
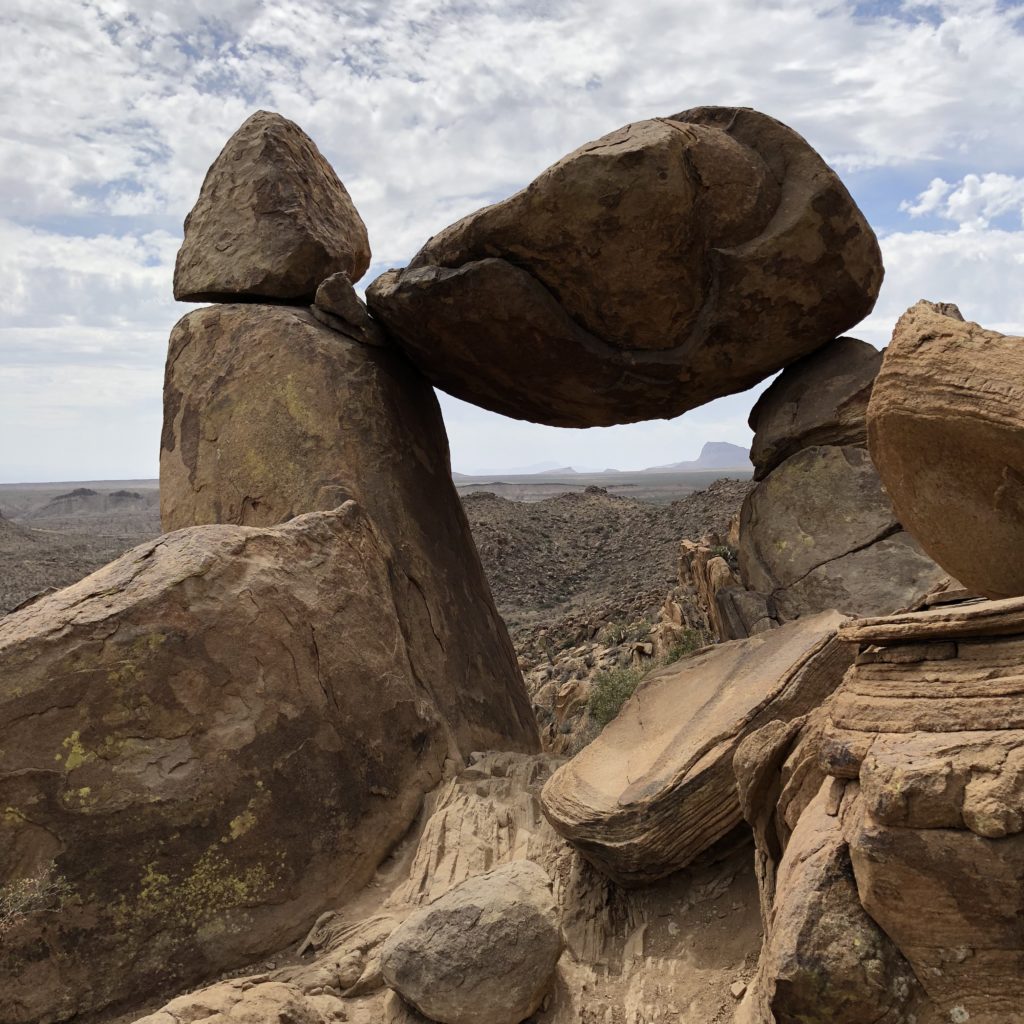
(611,689)
(23,896)
(730,554)
(691,640)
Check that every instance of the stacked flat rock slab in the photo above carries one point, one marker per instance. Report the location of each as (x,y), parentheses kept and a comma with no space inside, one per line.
(923,746)
(657,787)
(819,531)
(946,430)
(207,741)
(666,264)
(272,221)
(484,953)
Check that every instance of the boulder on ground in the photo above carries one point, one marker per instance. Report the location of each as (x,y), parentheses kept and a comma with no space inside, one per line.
(819,532)
(272,220)
(268,413)
(671,262)
(209,741)
(484,953)
(946,430)
(820,400)
(657,787)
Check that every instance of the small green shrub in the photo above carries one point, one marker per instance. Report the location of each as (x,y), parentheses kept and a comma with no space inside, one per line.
(611,689)
(731,555)
(691,640)
(23,896)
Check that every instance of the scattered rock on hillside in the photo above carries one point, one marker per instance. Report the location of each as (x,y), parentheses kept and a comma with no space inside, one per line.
(820,400)
(210,740)
(485,953)
(657,788)
(671,262)
(272,220)
(946,430)
(268,413)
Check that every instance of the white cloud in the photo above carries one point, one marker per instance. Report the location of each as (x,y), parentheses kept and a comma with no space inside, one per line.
(431,108)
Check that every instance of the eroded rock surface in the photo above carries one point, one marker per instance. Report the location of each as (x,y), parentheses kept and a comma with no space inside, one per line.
(946,430)
(484,953)
(210,740)
(272,220)
(269,413)
(666,264)
(657,787)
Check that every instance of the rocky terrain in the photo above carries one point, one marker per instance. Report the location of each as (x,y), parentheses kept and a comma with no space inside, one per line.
(283,764)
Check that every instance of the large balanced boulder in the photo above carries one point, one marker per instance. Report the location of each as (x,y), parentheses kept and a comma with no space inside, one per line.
(946,430)
(484,953)
(207,742)
(657,787)
(819,532)
(272,220)
(269,413)
(666,264)
(820,400)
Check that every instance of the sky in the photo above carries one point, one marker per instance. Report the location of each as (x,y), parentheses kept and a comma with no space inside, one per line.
(429,109)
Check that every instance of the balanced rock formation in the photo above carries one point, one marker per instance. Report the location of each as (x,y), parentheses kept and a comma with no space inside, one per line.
(671,262)
(485,953)
(819,532)
(269,413)
(210,740)
(820,400)
(657,787)
(272,221)
(946,430)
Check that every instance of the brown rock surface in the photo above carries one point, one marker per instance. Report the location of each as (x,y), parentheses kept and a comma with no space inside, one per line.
(820,400)
(268,413)
(657,787)
(946,430)
(211,739)
(624,283)
(819,532)
(272,220)
(484,953)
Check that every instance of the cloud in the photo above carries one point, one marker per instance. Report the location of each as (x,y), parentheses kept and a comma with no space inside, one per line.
(430,109)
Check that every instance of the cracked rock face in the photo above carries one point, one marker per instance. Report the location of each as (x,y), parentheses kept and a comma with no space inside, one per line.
(819,532)
(946,429)
(671,262)
(484,953)
(268,413)
(205,744)
(272,221)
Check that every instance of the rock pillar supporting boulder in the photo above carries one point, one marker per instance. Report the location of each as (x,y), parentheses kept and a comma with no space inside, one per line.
(268,413)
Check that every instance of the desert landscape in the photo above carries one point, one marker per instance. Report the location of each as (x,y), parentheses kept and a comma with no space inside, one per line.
(313,730)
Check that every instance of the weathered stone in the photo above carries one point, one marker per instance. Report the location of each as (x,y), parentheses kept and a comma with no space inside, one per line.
(824,960)
(209,741)
(820,400)
(338,306)
(671,262)
(484,953)
(946,430)
(819,532)
(657,787)
(268,414)
(272,220)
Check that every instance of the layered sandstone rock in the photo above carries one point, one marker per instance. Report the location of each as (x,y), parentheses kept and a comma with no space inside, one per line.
(946,430)
(666,264)
(819,532)
(268,413)
(657,787)
(820,400)
(210,740)
(272,220)
(484,953)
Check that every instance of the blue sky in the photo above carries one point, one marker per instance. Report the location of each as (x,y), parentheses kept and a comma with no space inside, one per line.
(429,109)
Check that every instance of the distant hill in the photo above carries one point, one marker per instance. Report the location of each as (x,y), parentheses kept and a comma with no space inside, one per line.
(714,455)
